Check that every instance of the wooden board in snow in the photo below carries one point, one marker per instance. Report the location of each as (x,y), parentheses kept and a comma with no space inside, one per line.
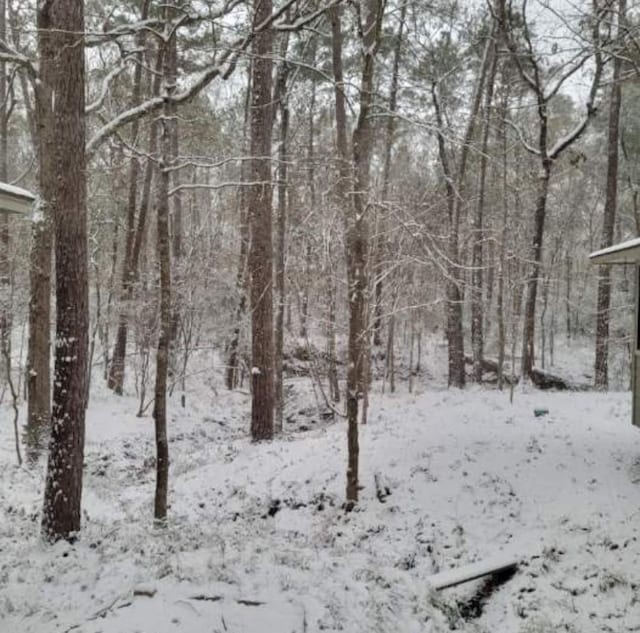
(467,573)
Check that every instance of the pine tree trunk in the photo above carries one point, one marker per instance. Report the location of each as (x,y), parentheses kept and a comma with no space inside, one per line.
(60,44)
(39,344)
(604,272)
(260,246)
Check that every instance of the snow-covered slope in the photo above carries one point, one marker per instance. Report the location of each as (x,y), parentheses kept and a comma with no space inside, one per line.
(258,541)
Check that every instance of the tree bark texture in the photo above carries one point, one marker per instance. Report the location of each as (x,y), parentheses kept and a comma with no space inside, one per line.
(260,263)
(528,337)
(39,343)
(60,28)
(163,252)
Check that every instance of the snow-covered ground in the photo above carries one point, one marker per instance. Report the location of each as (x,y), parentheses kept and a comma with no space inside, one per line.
(258,542)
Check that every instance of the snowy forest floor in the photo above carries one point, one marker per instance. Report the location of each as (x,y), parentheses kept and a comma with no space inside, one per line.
(258,543)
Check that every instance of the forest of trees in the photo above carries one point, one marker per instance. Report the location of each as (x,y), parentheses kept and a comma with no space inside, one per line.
(306,181)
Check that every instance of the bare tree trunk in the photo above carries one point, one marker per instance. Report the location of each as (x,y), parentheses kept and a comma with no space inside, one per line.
(456,203)
(60,44)
(135,235)
(6,320)
(477,274)
(502,337)
(516,310)
(282,103)
(490,267)
(164,338)
(38,354)
(356,221)
(528,335)
(105,330)
(344,178)
(176,205)
(455,339)
(543,314)
(303,293)
(568,268)
(412,338)
(533,77)
(391,361)
(389,138)
(604,272)
(331,342)
(260,220)
(554,312)
(233,361)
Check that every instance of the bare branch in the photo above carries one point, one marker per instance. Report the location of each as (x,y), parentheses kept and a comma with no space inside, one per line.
(521,138)
(223,69)
(106,84)
(222,185)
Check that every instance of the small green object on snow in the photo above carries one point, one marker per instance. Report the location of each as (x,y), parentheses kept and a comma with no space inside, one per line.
(540,412)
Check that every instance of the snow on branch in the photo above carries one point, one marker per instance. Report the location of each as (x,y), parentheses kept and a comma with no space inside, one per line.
(110,128)
(564,142)
(302,21)
(576,133)
(156,25)
(573,69)
(221,185)
(106,83)
(516,128)
(223,68)
(220,163)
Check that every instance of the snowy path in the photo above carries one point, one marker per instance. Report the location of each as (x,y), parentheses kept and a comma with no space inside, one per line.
(258,541)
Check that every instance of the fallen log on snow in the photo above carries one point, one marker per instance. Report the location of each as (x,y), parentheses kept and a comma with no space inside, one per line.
(467,573)
(544,380)
(539,377)
(491,367)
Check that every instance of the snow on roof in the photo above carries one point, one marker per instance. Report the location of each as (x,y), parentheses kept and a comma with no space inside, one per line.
(19,192)
(624,253)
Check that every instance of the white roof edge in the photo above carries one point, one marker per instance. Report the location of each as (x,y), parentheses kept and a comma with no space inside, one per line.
(16,191)
(616,248)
